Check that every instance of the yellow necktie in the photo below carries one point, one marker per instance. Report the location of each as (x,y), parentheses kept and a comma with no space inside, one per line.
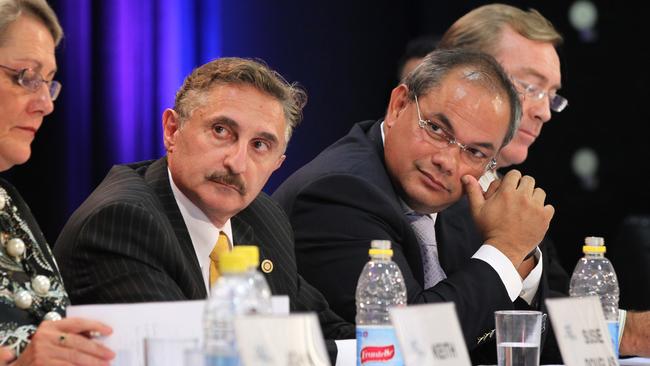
(222,246)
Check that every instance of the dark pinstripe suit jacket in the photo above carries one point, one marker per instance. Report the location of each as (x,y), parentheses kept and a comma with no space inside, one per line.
(128,243)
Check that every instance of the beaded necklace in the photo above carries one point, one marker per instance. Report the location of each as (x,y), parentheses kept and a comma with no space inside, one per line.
(27,280)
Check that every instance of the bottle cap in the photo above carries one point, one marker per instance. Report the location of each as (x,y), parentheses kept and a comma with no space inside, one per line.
(251,252)
(380,247)
(232,262)
(594,245)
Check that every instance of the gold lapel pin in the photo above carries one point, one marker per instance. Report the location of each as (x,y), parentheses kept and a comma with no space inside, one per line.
(267,266)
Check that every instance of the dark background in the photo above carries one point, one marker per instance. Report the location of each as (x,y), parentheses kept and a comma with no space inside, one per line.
(345,54)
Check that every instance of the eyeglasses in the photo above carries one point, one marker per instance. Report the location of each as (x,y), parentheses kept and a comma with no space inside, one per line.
(32,81)
(557,102)
(439,137)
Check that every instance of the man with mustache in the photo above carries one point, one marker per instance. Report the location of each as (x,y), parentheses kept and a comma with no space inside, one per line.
(148,232)
(228,179)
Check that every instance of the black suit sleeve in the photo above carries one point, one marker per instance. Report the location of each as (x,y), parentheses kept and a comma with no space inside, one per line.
(118,253)
(334,220)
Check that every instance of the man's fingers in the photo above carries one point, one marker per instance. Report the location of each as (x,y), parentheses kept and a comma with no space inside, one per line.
(539,196)
(526,184)
(474,193)
(511,180)
(549,211)
(494,186)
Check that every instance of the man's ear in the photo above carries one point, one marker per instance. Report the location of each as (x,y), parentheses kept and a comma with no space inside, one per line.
(171,124)
(399,100)
(280,161)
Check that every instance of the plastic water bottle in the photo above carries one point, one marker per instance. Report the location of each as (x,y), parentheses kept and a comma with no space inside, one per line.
(229,297)
(380,287)
(594,276)
(261,302)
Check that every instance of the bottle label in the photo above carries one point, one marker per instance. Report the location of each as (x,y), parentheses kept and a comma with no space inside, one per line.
(221,360)
(613,333)
(377,345)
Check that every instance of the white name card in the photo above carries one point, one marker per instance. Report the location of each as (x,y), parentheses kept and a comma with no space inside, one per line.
(292,340)
(581,331)
(430,335)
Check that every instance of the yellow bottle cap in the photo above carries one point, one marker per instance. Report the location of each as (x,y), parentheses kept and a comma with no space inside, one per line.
(593,250)
(251,252)
(388,252)
(232,262)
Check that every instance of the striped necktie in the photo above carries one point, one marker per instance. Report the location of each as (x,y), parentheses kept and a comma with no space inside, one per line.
(220,247)
(424,228)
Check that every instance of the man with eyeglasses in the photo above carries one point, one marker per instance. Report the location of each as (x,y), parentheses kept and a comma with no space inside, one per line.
(388,179)
(524,43)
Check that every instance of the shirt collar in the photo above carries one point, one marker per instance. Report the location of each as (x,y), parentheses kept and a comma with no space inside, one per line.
(203,232)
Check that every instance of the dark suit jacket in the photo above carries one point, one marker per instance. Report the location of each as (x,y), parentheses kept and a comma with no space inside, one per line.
(344,198)
(128,243)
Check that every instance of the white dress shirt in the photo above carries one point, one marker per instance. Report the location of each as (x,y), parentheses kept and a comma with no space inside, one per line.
(203,233)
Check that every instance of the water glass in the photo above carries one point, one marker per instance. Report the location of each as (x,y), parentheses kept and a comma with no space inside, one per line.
(518,337)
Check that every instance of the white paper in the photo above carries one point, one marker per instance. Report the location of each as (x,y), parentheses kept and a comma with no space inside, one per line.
(294,340)
(132,323)
(581,331)
(430,335)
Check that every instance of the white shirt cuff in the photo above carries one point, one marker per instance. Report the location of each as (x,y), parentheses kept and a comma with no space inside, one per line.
(531,282)
(504,268)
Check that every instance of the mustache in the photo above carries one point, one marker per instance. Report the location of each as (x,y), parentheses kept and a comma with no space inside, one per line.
(233,180)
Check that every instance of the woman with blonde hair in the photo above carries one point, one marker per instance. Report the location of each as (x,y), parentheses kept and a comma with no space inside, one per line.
(32,296)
